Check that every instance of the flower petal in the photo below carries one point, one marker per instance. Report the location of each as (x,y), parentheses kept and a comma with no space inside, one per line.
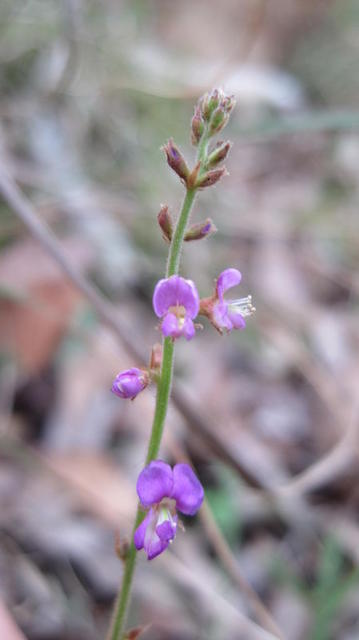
(188,296)
(154,546)
(154,483)
(166,531)
(169,326)
(187,489)
(175,291)
(226,280)
(188,329)
(220,316)
(139,535)
(163,296)
(237,320)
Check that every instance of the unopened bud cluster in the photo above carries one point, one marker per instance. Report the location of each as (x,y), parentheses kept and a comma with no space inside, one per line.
(210,117)
(212,113)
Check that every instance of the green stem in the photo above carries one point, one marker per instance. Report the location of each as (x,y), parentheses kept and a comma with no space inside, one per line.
(177,240)
(163,393)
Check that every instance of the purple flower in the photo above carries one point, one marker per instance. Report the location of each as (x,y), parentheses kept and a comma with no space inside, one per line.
(129,383)
(224,314)
(176,300)
(163,490)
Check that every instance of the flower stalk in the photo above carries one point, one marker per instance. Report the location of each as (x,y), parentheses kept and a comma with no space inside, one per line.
(176,302)
(164,384)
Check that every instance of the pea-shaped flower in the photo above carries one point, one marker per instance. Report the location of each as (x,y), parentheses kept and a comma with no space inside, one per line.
(164,491)
(130,382)
(225,314)
(176,301)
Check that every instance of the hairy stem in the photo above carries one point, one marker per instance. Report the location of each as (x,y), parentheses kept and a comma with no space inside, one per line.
(163,393)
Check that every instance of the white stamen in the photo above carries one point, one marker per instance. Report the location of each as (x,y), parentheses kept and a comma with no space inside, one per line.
(243,306)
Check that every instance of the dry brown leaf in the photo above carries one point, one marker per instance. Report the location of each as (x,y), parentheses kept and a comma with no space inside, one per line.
(32,326)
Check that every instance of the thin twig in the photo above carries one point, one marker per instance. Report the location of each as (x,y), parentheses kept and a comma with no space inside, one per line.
(186,576)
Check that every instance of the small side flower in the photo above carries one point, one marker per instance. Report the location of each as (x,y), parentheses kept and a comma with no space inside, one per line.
(176,301)
(129,383)
(224,314)
(163,491)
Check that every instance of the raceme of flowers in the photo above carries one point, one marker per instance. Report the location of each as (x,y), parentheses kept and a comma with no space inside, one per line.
(162,490)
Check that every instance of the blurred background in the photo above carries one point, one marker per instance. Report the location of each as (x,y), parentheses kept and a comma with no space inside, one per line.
(269,416)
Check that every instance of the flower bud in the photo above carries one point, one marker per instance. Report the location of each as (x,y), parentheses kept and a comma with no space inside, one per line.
(218,121)
(165,221)
(218,154)
(176,160)
(197,126)
(200,230)
(210,177)
(209,102)
(130,382)
(220,115)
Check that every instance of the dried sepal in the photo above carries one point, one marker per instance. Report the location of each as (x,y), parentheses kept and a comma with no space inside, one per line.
(122,546)
(197,126)
(192,178)
(156,358)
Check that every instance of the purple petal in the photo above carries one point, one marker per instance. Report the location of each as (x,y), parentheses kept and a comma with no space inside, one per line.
(169,326)
(175,291)
(226,280)
(188,297)
(166,531)
(154,546)
(154,483)
(129,383)
(187,489)
(154,538)
(188,329)
(237,320)
(221,316)
(139,535)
